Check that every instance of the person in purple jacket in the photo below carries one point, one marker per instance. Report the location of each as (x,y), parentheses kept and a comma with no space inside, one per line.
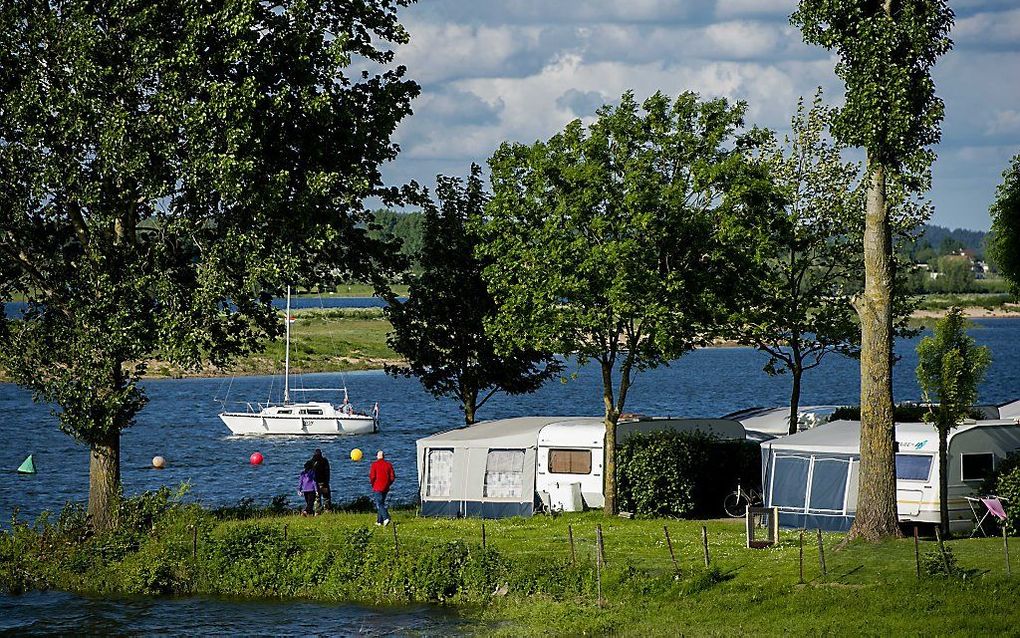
(306,487)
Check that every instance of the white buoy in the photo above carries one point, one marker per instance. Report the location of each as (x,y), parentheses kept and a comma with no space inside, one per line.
(158,462)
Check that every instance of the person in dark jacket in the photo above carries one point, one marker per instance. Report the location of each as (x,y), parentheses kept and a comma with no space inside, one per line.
(306,488)
(321,466)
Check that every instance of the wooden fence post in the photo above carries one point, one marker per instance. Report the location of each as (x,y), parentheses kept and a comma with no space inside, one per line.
(1005,549)
(801,557)
(598,561)
(704,544)
(821,552)
(672,555)
(917,553)
(573,554)
(602,546)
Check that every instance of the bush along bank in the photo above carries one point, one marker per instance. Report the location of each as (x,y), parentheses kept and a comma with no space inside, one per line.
(164,547)
(540,575)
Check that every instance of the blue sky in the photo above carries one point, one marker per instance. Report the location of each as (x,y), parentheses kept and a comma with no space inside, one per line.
(494,70)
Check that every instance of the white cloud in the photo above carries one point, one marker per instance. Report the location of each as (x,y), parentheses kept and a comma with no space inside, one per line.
(989,29)
(495,71)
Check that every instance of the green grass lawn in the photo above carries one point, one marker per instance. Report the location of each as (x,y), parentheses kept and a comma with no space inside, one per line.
(868,589)
(354,290)
(528,581)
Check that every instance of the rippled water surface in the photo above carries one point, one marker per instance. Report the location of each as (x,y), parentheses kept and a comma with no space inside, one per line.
(180,423)
(57,613)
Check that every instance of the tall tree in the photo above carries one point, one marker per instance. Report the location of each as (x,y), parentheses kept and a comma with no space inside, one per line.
(440,329)
(950,366)
(1004,243)
(886,51)
(621,242)
(802,309)
(164,168)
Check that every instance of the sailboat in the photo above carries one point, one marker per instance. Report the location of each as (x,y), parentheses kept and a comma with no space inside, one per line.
(301,417)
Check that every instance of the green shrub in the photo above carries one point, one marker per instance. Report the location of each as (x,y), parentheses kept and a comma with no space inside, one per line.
(254,558)
(934,565)
(904,413)
(683,474)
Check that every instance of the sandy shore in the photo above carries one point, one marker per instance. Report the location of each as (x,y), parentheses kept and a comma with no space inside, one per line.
(1006,311)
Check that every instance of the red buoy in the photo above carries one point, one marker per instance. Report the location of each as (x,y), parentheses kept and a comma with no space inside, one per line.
(256,458)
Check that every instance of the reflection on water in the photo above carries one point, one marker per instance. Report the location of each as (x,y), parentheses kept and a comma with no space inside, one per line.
(57,613)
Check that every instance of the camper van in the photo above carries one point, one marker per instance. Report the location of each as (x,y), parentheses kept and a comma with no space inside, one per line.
(511,467)
(812,476)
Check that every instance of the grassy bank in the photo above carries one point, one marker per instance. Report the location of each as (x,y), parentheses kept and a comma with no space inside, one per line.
(322,340)
(526,580)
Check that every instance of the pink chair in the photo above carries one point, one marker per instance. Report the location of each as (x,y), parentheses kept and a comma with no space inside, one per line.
(983,507)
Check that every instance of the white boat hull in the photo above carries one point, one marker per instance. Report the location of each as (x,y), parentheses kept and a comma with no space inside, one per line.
(248,423)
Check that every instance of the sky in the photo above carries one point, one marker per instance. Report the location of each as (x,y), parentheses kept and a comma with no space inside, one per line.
(519,70)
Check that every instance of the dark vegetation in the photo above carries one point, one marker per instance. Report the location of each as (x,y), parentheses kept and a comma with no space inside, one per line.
(683,474)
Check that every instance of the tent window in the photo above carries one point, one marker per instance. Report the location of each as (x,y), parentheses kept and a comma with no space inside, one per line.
(854,487)
(828,484)
(570,461)
(789,482)
(913,467)
(977,466)
(440,476)
(504,474)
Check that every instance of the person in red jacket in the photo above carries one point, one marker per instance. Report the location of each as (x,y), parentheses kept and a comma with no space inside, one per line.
(381,476)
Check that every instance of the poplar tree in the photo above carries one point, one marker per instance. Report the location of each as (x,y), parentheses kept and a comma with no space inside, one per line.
(886,50)
(1004,242)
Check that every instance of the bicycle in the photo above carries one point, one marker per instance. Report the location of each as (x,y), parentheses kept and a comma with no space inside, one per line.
(737,502)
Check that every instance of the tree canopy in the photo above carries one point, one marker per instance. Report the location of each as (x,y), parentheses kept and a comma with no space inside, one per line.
(165,168)
(440,329)
(1004,244)
(950,366)
(622,242)
(803,308)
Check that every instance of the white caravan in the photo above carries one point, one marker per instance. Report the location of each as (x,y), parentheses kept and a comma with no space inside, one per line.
(812,476)
(510,467)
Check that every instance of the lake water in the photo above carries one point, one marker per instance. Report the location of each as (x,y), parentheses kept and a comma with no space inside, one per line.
(180,423)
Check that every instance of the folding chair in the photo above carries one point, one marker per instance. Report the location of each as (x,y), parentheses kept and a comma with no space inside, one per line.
(991,506)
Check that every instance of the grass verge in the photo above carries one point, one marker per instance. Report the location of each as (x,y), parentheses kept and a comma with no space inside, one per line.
(527,579)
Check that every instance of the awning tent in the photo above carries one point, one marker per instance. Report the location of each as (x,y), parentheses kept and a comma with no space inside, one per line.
(812,476)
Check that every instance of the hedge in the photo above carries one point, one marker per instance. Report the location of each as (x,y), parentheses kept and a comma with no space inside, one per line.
(682,474)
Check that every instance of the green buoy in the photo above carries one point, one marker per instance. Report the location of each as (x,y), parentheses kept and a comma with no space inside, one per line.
(28,467)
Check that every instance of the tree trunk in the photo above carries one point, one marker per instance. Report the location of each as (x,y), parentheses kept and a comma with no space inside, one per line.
(469,403)
(796,371)
(104,481)
(876,503)
(944,481)
(611,418)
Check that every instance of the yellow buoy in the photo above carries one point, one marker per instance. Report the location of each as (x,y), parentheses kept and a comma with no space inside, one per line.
(356,454)
(158,462)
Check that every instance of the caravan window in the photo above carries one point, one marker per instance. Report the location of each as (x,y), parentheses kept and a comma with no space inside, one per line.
(913,467)
(789,481)
(440,473)
(828,484)
(504,474)
(977,466)
(570,461)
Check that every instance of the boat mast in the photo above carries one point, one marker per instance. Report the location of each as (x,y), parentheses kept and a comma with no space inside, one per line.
(286,356)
